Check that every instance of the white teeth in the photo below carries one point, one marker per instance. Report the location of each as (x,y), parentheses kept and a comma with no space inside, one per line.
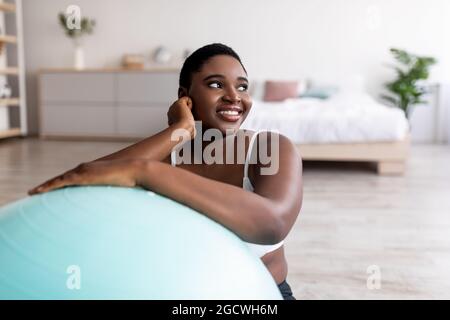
(231,113)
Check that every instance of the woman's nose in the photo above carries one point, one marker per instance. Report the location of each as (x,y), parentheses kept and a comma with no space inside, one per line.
(232,96)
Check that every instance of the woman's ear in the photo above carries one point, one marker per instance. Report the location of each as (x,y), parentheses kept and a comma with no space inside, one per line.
(182,92)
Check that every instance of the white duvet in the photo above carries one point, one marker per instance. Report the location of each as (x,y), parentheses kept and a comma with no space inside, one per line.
(342,118)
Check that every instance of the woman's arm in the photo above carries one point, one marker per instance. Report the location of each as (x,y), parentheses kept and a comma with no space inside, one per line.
(159,146)
(156,148)
(264,217)
(245,213)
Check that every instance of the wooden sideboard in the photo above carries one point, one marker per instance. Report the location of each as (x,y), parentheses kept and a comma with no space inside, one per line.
(105,103)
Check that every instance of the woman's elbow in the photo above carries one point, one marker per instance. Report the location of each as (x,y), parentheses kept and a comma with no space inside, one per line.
(282,222)
(272,231)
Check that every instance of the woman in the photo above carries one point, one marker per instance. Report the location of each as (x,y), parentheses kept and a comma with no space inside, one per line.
(213,94)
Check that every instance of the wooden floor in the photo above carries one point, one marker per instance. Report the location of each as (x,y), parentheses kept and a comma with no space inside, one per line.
(351,219)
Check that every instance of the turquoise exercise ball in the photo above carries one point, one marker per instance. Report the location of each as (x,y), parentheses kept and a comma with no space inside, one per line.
(122,243)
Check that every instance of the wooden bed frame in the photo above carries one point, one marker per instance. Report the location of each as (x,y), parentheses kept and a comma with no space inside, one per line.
(389,157)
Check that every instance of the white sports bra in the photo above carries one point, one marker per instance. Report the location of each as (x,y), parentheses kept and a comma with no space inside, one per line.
(259,249)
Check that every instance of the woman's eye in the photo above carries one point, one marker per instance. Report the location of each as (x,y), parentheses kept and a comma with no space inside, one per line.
(214,85)
(243,87)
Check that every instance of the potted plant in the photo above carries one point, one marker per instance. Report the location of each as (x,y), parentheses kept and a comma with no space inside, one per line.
(76,33)
(408,89)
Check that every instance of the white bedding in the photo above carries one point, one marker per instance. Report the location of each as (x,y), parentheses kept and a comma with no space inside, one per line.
(343,118)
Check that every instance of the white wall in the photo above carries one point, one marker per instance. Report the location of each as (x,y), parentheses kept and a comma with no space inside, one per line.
(326,40)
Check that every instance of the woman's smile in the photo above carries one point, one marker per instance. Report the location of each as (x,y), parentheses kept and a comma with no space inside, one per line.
(230,113)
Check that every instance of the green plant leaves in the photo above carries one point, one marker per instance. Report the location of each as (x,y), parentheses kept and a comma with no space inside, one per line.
(405,90)
(86,26)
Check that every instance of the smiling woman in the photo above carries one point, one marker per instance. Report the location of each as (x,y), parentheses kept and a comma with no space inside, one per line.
(216,80)
(258,205)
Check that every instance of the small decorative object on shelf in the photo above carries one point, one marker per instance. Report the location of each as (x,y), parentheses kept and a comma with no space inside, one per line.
(75,28)
(133,61)
(162,55)
(5,91)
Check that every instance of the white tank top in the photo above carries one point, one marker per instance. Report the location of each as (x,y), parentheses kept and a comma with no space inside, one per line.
(259,249)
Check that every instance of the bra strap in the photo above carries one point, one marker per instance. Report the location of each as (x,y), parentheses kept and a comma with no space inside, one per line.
(173,158)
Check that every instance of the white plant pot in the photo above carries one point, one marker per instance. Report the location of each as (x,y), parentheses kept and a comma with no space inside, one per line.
(79,58)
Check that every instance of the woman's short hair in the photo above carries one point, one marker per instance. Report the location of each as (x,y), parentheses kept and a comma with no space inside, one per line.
(199,57)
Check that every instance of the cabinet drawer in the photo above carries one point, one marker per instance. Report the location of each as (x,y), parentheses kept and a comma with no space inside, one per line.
(76,120)
(67,87)
(156,88)
(139,121)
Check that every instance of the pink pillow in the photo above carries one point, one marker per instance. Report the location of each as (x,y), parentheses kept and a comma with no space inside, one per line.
(280,90)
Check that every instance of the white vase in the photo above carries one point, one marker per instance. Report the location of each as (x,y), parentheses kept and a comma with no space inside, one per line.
(79,57)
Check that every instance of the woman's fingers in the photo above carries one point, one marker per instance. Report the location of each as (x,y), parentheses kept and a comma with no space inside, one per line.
(120,173)
(64,180)
(188,102)
(48,186)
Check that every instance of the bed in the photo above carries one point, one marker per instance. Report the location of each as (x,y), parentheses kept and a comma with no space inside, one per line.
(345,127)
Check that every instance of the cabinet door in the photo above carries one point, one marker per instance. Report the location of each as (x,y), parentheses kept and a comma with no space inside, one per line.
(155,88)
(141,121)
(76,87)
(77,120)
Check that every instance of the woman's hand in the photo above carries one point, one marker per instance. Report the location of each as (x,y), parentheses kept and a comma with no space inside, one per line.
(180,112)
(111,172)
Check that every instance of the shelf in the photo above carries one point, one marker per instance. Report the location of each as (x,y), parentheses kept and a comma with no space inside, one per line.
(7,7)
(13,107)
(9,71)
(8,39)
(14,132)
(13,102)
(147,69)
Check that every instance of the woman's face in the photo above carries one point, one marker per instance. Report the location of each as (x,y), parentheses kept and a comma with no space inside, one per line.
(219,92)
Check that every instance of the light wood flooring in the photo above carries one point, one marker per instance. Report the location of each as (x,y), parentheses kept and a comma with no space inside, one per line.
(351,219)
